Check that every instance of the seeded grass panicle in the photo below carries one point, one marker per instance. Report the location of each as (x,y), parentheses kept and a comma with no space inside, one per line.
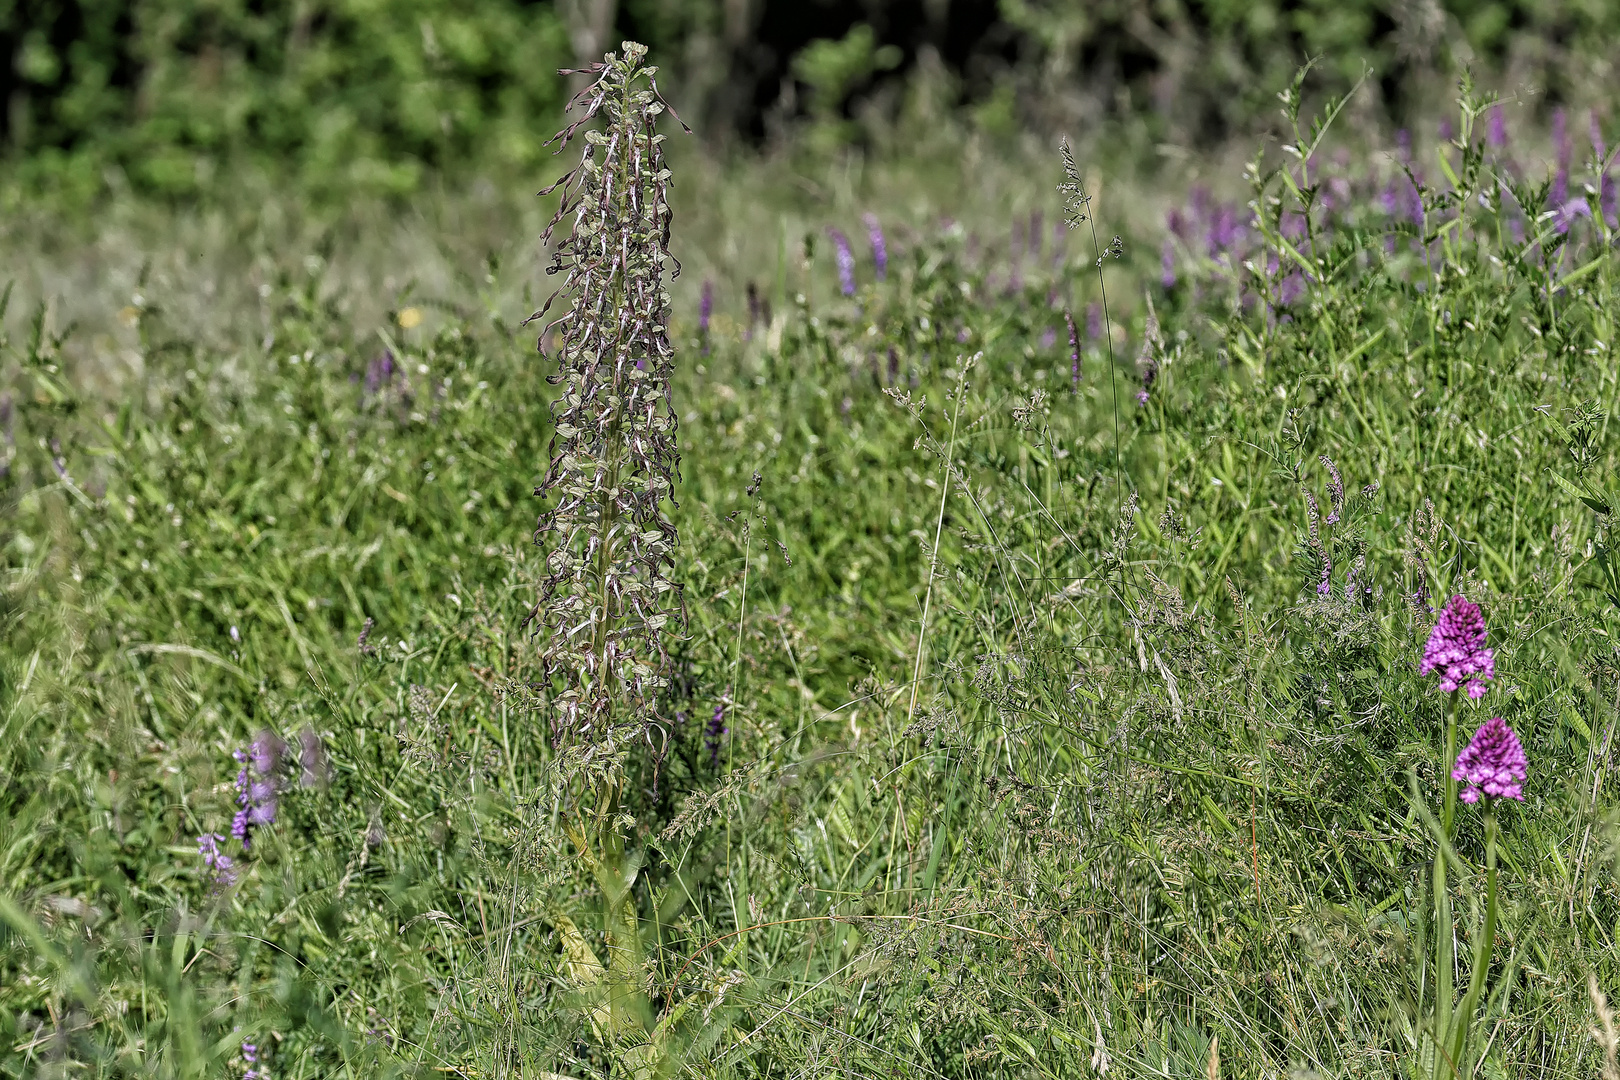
(608,596)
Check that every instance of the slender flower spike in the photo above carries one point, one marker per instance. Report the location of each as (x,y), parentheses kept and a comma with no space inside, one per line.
(1457,651)
(880,248)
(219,867)
(1492,764)
(608,592)
(845,258)
(1335,490)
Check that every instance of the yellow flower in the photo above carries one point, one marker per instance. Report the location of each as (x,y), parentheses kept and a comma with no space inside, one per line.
(410,318)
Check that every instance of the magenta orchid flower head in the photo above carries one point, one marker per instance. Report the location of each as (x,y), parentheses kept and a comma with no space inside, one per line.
(1457,650)
(1492,764)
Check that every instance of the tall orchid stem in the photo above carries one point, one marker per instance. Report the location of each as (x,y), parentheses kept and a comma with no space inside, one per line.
(1482,947)
(1444,957)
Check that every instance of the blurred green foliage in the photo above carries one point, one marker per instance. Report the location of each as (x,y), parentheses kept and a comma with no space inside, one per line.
(166,96)
(346,93)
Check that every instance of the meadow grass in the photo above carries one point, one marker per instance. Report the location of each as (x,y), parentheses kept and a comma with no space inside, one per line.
(1022,724)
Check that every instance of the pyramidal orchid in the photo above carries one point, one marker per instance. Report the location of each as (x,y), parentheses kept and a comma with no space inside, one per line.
(1492,764)
(1456,649)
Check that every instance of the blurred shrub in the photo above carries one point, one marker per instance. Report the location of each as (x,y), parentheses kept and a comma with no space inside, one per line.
(1212,66)
(348,93)
(376,94)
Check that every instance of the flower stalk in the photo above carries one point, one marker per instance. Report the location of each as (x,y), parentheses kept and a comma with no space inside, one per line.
(608,596)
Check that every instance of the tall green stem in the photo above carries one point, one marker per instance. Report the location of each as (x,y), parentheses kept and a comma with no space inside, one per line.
(1482,949)
(1443,949)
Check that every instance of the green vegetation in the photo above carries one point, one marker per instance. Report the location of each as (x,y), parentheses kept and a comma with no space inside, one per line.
(1033,716)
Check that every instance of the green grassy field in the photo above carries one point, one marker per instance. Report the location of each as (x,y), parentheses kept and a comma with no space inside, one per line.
(1021,725)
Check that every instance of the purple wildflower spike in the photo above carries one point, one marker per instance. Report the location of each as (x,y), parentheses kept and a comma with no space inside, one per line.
(265,751)
(1074,349)
(880,248)
(1048,338)
(845,258)
(1167,265)
(1492,764)
(705,307)
(1094,321)
(1335,491)
(1456,649)
(220,868)
(256,787)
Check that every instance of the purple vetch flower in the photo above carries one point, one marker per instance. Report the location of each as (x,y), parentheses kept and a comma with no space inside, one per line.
(1335,490)
(1496,128)
(1150,374)
(220,869)
(1167,265)
(256,787)
(1074,349)
(265,752)
(880,249)
(250,1054)
(845,258)
(1492,764)
(714,731)
(380,372)
(1456,649)
(1224,232)
(1048,338)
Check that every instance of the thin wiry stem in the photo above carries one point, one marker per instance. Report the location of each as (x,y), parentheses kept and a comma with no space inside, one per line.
(1078,207)
(939,529)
